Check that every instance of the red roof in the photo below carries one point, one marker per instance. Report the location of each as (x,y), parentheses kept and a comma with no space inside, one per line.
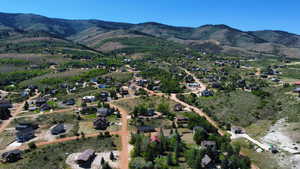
(297,83)
(154,139)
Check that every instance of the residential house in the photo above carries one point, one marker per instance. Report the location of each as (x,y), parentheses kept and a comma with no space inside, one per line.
(32,108)
(209,145)
(5,104)
(89,98)
(101,123)
(102,86)
(69,102)
(142,82)
(45,107)
(104,96)
(11,156)
(58,129)
(86,157)
(205,161)
(104,112)
(216,85)
(124,90)
(24,132)
(182,120)
(207,93)
(25,93)
(40,101)
(146,129)
(193,85)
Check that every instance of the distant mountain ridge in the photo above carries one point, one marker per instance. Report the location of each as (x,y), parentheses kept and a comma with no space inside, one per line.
(206,38)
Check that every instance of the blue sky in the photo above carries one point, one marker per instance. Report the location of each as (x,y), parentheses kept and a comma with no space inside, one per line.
(241,14)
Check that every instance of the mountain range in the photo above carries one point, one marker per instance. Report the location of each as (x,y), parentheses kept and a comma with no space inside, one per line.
(106,36)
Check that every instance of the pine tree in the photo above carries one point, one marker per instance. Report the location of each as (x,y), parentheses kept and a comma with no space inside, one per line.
(26,106)
(102,161)
(169,158)
(112,156)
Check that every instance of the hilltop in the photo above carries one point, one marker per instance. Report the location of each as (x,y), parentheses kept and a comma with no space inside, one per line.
(105,36)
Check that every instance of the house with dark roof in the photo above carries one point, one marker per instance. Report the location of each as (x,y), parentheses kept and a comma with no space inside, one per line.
(104,96)
(212,145)
(11,156)
(124,90)
(237,130)
(86,157)
(146,129)
(150,112)
(58,129)
(45,107)
(207,93)
(101,123)
(40,101)
(102,86)
(69,102)
(25,134)
(216,85)
(104,112)
(182,120)
(142,82)
(6,104)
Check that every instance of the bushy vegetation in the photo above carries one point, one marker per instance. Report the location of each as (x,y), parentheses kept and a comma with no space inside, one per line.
(54,156)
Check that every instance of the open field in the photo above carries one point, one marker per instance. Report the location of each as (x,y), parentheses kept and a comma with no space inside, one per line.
(54,156)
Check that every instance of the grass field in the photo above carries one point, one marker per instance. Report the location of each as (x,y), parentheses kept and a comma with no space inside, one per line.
(54,156)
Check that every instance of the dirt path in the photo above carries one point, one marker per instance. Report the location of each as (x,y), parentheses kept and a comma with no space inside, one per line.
(18,110)
(50,112)
(124,133)
(202,85)
(200,112)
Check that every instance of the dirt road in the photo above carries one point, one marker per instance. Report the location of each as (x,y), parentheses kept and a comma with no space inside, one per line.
(202,85)
(124,133)
(18,109)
